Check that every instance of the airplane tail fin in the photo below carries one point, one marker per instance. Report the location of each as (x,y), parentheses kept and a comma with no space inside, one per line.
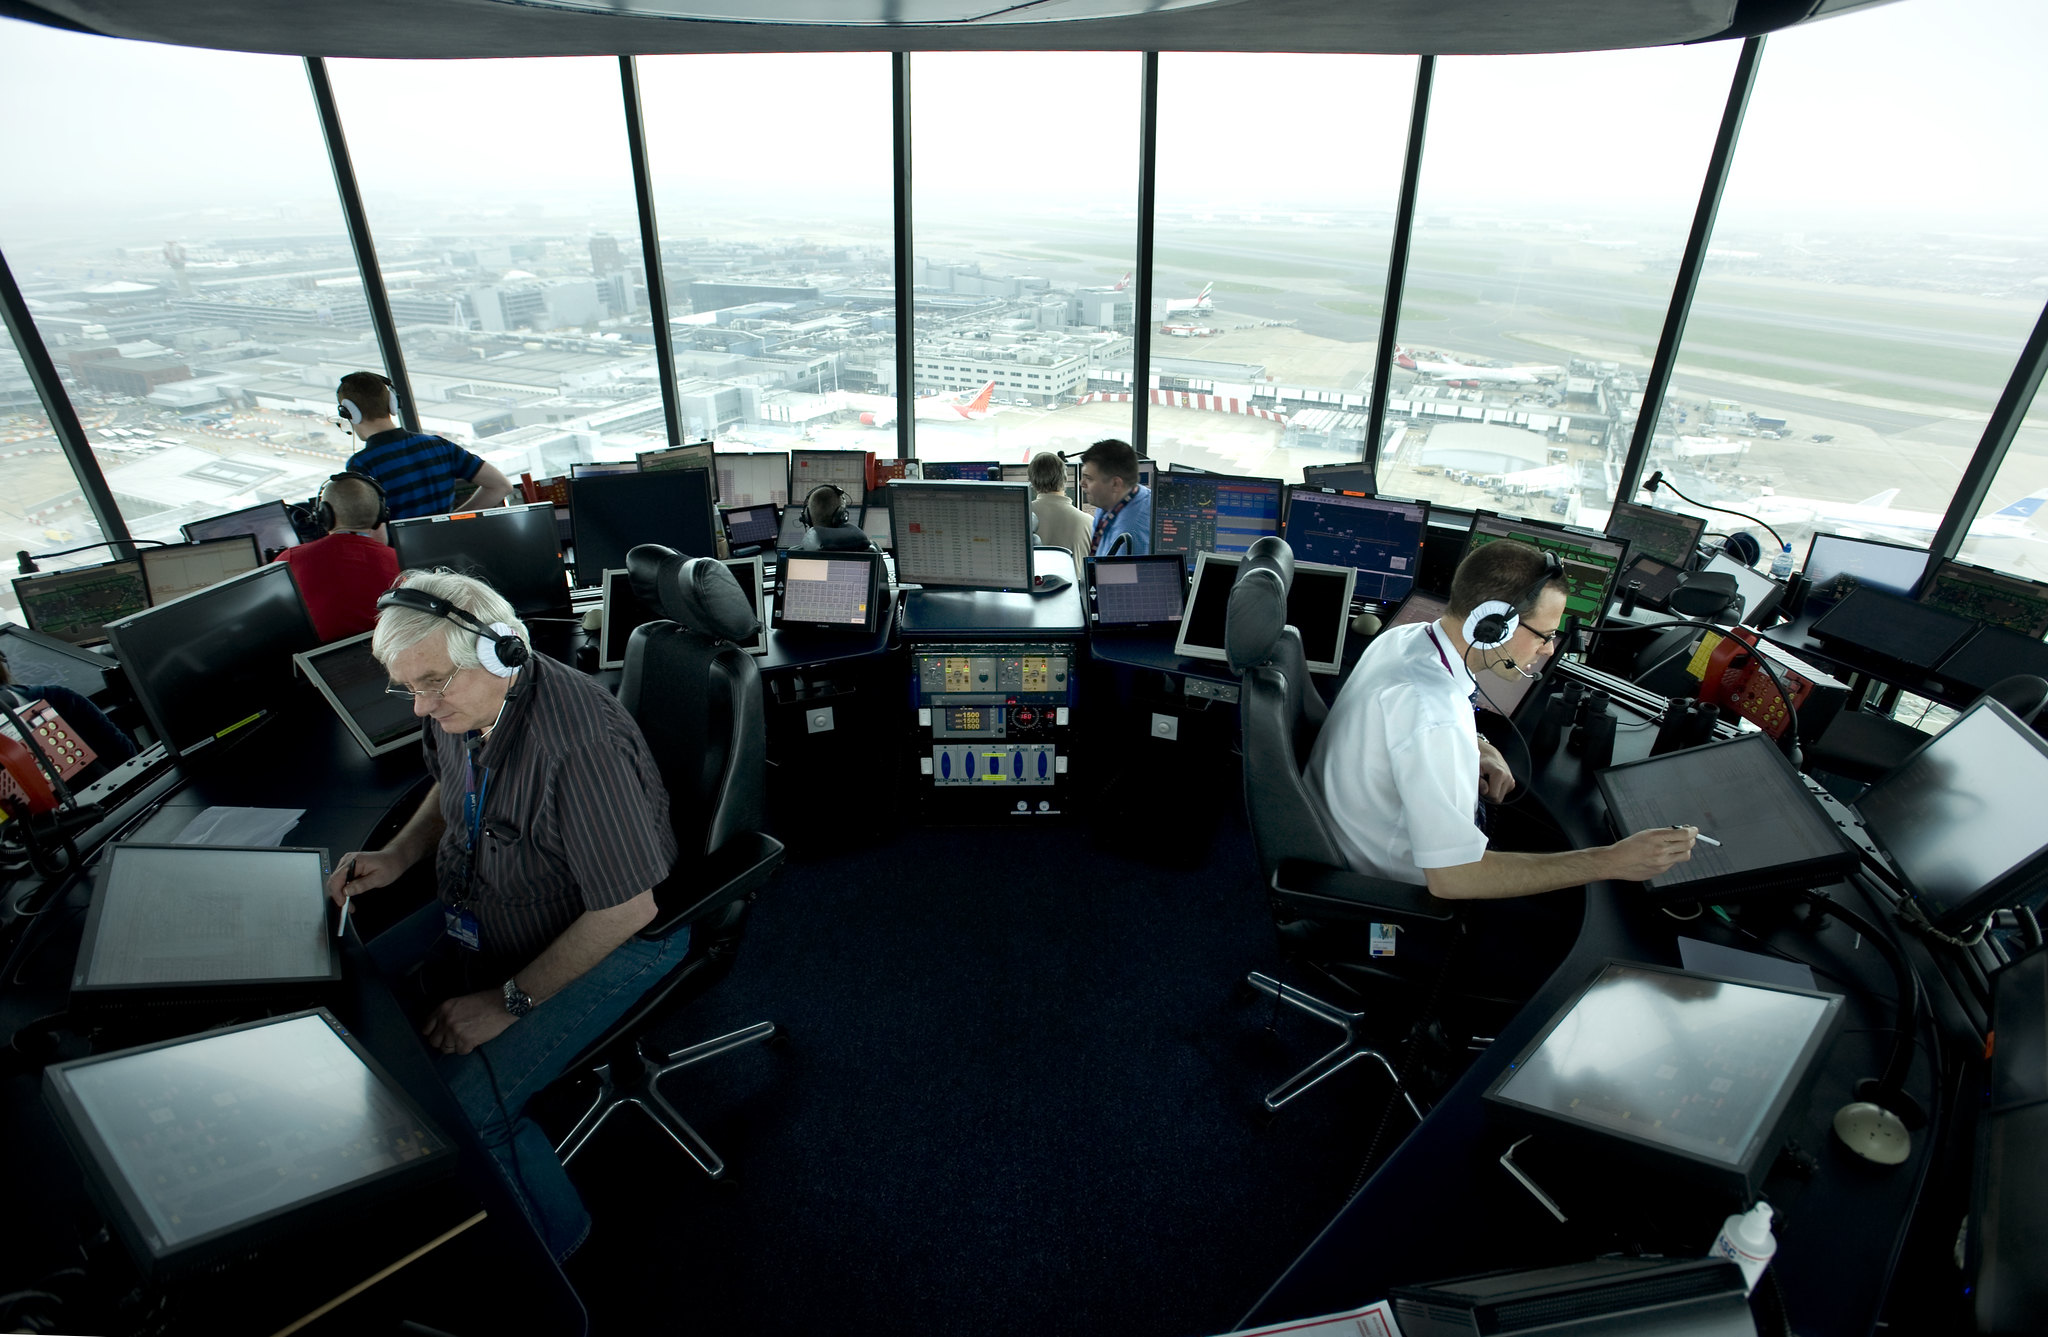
(979,404)
(2028,506)
(1203,295)
(1122,282)
(1402,359)
(1882,499)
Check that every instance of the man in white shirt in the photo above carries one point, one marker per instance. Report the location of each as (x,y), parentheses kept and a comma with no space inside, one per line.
(1401,766)
(1060,524)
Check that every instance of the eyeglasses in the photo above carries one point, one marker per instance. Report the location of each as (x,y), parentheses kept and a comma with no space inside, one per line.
(429,690)
(1543,637)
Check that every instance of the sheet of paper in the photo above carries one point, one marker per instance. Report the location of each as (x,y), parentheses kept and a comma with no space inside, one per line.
(1375,1320)
(240,826)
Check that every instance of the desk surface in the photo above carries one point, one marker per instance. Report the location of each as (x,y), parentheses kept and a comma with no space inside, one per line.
(935,613)
(1441,1205)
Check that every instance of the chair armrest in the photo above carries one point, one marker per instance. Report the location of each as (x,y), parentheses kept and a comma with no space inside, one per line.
(733,871)
(1318,889)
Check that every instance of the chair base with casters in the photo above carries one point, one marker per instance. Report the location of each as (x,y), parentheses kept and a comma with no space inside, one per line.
(643,1092)
(1351,1049)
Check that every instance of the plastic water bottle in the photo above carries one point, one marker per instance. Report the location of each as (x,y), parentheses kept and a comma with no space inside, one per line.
(1781,565)
(1747,1241)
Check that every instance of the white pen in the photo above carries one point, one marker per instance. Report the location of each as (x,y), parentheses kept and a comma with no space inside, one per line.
(341,924)
(1698,835)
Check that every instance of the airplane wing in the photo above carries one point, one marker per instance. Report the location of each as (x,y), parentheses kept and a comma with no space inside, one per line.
(1883,498)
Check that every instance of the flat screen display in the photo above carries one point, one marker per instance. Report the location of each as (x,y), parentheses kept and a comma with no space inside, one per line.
(751,574)
(848,469)
(1194,513)
(1961,818)
(613,515)
(1319,607)
(697,455)
(1989,596)
(34,659)
(208,1140)
(752,478)
(1138,591)
(1837,564)
(1418,607)
(875,522)
(1886,625)
(1992,655)
(962,535)
(1343,477)
(356,686)
(216,658)
(751,526)
(1590,560)
(516,550)
(1382,540)
(827,589)
(1760,594)
(604,470)
(177,570)
(962,471)
(75,606)
(1668,536)
(269,521)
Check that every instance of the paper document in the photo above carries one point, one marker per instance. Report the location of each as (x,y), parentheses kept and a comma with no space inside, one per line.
(240,826)
(1375,1320)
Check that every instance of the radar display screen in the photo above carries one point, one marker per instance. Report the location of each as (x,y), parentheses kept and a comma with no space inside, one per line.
(1590,560)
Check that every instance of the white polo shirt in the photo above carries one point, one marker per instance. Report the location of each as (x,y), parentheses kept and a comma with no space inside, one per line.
(1397,763)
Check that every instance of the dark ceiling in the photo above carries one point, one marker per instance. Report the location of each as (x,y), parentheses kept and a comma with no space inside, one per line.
(485,28)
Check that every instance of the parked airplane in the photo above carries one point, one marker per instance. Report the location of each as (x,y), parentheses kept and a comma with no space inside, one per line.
(880,411)
(1199,302)
(1875,516)
(1123,282)
(1458,371)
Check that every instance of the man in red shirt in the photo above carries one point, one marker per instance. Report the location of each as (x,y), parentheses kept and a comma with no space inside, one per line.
(342,575)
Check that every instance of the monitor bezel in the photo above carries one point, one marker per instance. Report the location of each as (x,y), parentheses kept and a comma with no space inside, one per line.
(144,554)
(1909,592)
(1220,654)
(88,942)
(495,514)
(86,659)
(1563,532)
(1280,487)
(1749,1168)
(306,664)
(593,567)
(1310,472)
(1684,559)
(874,563)
(33,577)
(1992,577)
(911,576)
(129,1217)
(758,643)
(1421,534)
(1180,565)
(2001,893)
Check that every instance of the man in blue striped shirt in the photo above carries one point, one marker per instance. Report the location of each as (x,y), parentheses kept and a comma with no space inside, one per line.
(418,473)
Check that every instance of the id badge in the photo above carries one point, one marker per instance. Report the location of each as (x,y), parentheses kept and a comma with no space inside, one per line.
(460,922)
(1382,943)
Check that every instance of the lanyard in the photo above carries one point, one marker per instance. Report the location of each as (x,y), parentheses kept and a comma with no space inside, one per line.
(1429,630)
(473,795)
(1102,525)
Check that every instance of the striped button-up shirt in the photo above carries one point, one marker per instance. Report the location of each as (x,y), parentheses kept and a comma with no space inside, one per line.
(575,814)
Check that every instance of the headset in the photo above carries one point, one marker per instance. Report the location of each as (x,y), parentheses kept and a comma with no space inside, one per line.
(1493,623)
(323,510)
(499,651)
(351,410)
(839,517)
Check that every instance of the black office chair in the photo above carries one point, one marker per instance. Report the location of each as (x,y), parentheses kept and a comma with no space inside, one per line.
(1866,746)
(1322,910)
(697,698)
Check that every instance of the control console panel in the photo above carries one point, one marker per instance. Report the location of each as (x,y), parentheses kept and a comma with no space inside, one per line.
(994,717)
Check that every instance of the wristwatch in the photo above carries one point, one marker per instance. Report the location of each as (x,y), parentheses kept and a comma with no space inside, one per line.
(517,1001)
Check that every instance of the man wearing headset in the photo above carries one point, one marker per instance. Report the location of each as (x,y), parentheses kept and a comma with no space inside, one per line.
(419,473)
(341,575)
(828,525)
(548,824)
(1400,764)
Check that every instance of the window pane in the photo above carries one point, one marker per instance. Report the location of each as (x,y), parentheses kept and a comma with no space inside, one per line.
(1275,216)
(500,194)
(199,301)
(1555,199)
(1023,262)
(2010,531)
(780,262)
(1873,274)
(42,508)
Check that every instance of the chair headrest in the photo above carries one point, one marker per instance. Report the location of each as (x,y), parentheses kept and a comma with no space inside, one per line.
(1272,553)
(700,593)
(1255,617)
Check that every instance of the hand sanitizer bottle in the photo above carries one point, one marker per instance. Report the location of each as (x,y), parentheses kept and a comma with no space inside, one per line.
(1746,1238)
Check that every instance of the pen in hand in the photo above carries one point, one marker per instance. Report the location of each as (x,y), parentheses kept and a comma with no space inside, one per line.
(1699,835)
(341,924)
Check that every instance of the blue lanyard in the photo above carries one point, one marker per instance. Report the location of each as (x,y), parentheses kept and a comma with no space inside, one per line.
(473,796)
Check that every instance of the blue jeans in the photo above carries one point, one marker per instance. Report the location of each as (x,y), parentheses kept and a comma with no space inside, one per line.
(494,1082)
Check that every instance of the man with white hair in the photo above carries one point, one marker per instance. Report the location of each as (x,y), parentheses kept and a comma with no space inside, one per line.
(549,826)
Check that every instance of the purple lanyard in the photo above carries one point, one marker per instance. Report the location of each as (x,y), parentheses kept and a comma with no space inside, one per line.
(1106,519)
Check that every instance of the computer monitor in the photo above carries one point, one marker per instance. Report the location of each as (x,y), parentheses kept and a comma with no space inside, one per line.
(1759,593)
(794,526)
(809,469)
(1774,834)
(962,535)
(269,521)
(1990,656)
(875,520)
(205,921)
(1146,472)
(752,576)
(1318,606)
(833,591)
(1960,819)
(75,606)
(1836,564)
(1668,536)
(516,550)
(215,659)
(1590,560)
(965,471)
(1889,627)
(1179,467)
(615,514)
(1381,539)
(696,455)
(1989,596)
(1015,473)
(604,469)
(1213,512)
(1342,477)
(620,613)
(1685,1074)
(755,526)
(178,569)
(1137,591)
(752,477)
(34,658)
(210,1145)
(351,680)
(1417,607)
